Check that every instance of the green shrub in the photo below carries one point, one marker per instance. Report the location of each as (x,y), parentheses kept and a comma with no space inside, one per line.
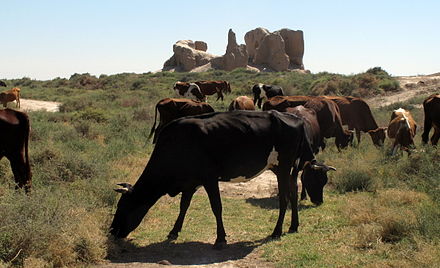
(354,180)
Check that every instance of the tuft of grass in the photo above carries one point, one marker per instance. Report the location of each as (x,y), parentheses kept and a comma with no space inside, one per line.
(354,180)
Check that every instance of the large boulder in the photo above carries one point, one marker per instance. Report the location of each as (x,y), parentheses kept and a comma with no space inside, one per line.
(186,57)
(236,56)
(294,47)
(253,40)
(271,53)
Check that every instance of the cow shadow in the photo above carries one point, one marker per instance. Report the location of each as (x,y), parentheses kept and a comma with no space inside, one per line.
(186,253)
(273,203)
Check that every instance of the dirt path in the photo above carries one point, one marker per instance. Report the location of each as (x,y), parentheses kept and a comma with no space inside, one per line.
(36,105)
(411,87)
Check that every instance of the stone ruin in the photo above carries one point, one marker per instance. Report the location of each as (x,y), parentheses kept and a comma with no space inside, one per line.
(264,51)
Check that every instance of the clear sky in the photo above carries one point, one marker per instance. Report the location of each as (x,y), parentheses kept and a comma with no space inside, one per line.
(57,38)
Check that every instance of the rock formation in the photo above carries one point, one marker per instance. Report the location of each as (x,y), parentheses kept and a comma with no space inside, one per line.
(188,55)
(236,55)
(271,53)
(294,47)
(253,40)
(278,51)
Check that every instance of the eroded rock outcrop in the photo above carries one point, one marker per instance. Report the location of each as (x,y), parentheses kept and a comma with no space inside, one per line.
(294,47)
(253,40)
(236,55)
(188,55)
(271,53)
(278,51)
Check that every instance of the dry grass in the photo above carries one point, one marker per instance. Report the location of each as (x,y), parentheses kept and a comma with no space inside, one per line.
(388,217)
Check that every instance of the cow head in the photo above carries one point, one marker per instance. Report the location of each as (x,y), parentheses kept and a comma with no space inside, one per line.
(378,136)
(130,211)
(343,140)
(314,178)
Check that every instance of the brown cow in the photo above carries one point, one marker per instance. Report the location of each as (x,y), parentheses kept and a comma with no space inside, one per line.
(356,114)
(170,109)
(402,128)
(9,96)
(189,90)
(311,125)
(431,106)
(327,112)
(242,103)
(214,87)
(14,138)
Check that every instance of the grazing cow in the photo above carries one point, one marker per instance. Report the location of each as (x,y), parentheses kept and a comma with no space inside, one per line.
(214,87)
(189,90)
(9,96)
(262,91)
(2,84)
(14,138)
(326,110)
(402,128)
(242,103)
(431,106)
(356,114)
(170,109)
(221,147)
(311,126)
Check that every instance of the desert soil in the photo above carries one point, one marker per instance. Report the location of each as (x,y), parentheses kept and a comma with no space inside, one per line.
(236,254)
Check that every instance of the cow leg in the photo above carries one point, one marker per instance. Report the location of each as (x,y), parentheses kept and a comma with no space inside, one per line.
(216,206)
(358,136)
(185,201)
(219,95)
(427,128)
(18,166)
(436,136)
(303,191)
(283,189)
(294,223)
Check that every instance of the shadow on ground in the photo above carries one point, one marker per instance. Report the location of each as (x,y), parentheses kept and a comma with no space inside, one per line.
(187,253)
(273,203)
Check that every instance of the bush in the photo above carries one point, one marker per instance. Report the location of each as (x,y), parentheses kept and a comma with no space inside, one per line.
(354,180)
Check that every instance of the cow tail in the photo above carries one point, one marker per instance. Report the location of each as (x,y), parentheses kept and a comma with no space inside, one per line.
(154,125)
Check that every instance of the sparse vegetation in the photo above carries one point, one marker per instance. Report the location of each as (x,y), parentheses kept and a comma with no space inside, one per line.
(378,211)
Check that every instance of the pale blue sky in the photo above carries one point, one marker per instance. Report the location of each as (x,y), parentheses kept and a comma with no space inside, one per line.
(48,39)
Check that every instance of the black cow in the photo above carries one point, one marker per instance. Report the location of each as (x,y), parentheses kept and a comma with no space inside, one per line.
(2,84)
(431,107)
(14,137)
(262,91)
(205,149)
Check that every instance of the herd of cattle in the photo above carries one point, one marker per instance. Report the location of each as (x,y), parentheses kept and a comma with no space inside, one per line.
(196,146)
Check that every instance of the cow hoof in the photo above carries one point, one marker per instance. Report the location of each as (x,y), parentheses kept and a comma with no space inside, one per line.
(172,236)
(293,230)
(275,236)
(219,245)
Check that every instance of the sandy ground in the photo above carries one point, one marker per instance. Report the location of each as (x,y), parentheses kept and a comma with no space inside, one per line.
(411,87)
(35,105)
(237,254)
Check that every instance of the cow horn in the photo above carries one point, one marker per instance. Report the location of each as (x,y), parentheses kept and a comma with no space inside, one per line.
(126,188)
(322,167)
